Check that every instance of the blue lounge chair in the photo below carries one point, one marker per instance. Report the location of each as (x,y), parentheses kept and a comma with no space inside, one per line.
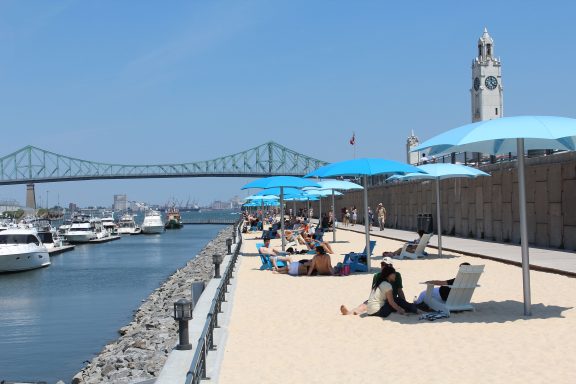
(266,262)
(353,258)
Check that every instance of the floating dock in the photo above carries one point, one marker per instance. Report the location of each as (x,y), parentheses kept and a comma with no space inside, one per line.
(62,249)
(105,239)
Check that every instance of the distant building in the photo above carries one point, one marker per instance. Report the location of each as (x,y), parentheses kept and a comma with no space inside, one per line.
(9,205)
(486,91)
(72,207)
(120,203)
(411,142)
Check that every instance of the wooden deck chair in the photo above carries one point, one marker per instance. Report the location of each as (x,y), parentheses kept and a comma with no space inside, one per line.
(353,258)
(266,262)
(460,293)
(419,251)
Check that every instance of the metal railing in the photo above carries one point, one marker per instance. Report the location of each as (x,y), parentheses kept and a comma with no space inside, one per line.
(205,344)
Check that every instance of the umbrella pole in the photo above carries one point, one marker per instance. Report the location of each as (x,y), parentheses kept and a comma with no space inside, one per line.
(282,217)
(438,220)
(333,219)
(320,211)
(524,229)
(366,224)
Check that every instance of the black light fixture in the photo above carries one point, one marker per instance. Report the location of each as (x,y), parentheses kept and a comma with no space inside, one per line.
(217,259)
(182,313)
(234,235)
(229,245)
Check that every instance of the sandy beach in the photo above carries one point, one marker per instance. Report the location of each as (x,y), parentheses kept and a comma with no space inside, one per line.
(289,329)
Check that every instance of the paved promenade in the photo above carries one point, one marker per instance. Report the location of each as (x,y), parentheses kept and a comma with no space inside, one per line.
(286,329)
(549,260)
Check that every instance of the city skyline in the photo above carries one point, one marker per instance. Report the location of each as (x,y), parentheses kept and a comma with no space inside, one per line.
(151,84)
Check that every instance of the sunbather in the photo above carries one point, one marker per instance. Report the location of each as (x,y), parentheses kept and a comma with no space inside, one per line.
(312,244)
(397,291)
(321,264)
(439,293)
(296,268)
(274,254)
(412,245)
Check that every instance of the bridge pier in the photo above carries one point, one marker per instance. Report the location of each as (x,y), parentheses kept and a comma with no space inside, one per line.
(30,196)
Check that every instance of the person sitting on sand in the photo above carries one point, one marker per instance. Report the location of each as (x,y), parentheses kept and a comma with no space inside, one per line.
(273,253)
(382,302)
(397,291)
(321,264)
(439,293)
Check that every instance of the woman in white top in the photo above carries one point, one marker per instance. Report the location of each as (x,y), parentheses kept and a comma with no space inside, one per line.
(381,301)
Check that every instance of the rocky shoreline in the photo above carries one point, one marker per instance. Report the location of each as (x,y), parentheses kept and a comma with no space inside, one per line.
(143,347)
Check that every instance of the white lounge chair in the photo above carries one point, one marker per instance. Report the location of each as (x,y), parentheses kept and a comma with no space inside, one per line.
(419,251)
(460,293)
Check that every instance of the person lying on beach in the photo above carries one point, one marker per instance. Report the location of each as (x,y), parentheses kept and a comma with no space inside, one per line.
(439,293)
(321,264)
(397,291)
(273,253)
(382,302)
(412,245)
(296,268)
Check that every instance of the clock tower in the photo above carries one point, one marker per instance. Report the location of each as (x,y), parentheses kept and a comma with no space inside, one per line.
(486,91)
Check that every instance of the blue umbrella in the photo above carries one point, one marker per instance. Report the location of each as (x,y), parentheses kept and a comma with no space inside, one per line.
(510,134)
(333,186)
(440,171)
(281,182)
(364,167)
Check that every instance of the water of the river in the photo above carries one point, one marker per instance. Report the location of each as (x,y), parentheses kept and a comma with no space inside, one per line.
(53,319)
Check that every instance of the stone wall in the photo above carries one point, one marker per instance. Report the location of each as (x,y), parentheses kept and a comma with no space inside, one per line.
(487,207)
(144,344)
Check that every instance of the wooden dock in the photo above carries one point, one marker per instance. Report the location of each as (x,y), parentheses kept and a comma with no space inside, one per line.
(62,249)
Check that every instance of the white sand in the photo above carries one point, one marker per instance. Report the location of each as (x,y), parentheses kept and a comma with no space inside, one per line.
(288,329)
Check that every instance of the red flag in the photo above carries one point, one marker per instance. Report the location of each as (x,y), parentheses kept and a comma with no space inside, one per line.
(353,139)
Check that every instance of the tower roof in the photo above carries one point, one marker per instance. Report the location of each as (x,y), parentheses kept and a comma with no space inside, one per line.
(485,38)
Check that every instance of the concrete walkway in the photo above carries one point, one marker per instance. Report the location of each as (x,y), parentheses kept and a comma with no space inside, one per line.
(547,260)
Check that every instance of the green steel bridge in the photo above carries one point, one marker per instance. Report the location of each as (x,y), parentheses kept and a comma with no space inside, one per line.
(31,165)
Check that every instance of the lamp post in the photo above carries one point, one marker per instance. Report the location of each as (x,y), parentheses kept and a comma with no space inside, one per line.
(234,234)
(183,313)
(217,259)
(229,245)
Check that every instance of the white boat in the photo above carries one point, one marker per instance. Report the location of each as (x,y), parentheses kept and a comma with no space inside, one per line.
(152,222)
(21,250)
(127,225)
(99,229)
(109,224)
(48,234)
(82,230)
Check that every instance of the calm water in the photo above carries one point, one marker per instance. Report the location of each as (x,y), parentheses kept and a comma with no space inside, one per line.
(55,318)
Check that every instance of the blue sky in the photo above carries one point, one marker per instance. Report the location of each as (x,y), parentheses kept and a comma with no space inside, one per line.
(145,82)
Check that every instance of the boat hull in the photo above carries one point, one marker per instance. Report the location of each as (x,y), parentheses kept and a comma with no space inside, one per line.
(79,237)
(152,229)
(173,225)
(23,261)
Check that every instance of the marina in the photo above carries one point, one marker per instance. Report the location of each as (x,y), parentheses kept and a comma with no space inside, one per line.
(96,287)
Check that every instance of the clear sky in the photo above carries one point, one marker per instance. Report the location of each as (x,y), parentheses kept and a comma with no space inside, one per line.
(145,82)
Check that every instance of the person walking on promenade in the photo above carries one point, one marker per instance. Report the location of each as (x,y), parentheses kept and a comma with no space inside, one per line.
(354,215)
(381,216)
(370,218)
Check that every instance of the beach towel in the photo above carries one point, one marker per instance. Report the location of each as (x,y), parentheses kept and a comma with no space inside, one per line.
(431,316)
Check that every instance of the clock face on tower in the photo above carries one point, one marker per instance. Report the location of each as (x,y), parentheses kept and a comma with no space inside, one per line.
(476,84)
(491,82)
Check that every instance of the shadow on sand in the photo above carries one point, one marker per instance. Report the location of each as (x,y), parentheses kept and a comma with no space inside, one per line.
(492,312)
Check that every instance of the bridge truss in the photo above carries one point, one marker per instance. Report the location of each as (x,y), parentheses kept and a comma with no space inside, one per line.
(35,165)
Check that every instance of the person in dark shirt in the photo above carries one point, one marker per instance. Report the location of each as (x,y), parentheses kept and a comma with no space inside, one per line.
(439,293)
(397,291)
